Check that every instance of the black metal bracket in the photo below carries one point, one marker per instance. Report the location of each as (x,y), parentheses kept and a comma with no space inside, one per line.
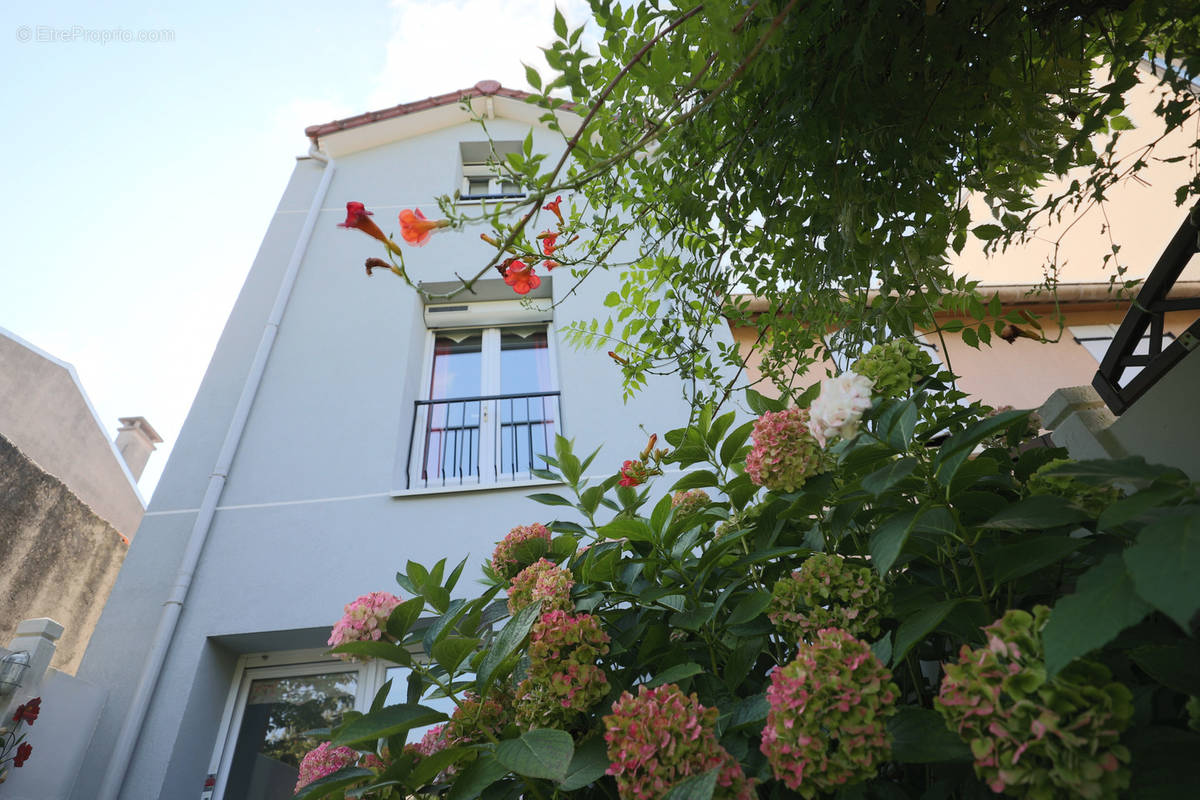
(1146,316)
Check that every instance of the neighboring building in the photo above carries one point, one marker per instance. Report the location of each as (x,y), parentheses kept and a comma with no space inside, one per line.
(324,450)
(1141,215)
(68,499)
(45,412)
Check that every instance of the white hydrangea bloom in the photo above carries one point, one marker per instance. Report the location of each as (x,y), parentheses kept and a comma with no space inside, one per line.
(840,406)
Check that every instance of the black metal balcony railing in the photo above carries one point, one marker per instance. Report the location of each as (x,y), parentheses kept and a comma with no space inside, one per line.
(476,439)
(1146,316)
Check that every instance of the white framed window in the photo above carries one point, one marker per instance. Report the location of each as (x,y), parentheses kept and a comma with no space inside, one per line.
(275,699)
(482,177)
(1096,339)
(489,406)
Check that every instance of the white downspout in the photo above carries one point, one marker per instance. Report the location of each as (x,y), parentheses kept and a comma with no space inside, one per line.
(118,765)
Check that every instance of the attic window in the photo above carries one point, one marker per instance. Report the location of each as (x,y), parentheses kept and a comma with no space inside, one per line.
(482,177)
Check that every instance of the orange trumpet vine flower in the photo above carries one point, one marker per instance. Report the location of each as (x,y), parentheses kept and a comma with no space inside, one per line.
(520,276)
(416,229)
(552,207)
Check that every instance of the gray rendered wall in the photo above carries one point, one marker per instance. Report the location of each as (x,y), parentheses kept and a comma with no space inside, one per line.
(307,521)
(44,412)
(58,559)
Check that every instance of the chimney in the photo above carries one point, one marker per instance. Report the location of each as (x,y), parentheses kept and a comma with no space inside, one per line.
(135,441)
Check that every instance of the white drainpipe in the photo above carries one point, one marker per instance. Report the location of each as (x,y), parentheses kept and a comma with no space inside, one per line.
(118,765)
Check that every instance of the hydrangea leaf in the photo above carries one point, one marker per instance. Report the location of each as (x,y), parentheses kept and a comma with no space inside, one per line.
(539,753)
(588,765)
(675,674)
(370,649)
(385,722)
(1038,512)
(883,479)
(327,786)
(954,451)
(1164,564)
(482,773)
(734,442)
(920,736)
(750,607)
(697,787)
(698,479)
(1022,558)
(506,643)
(889,540)
(1175,666)
(1104,604)
(917,626)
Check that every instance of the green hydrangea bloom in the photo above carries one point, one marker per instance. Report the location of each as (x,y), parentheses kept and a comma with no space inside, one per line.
(564,679)
(895,366)
(1092,499)
(686,503)
(828,592)
(1032,736)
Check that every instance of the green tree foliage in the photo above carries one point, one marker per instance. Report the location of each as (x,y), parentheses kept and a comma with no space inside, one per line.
(810,152)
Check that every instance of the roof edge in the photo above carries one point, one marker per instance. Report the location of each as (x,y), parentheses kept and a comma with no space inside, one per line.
(1028,294)
(481,89)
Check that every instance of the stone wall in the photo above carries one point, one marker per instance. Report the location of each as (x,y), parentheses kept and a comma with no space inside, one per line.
(58,559)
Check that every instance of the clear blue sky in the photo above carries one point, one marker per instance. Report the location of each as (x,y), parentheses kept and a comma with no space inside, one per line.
(139,176)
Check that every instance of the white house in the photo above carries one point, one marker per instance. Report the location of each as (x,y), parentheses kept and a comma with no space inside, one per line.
(317,458)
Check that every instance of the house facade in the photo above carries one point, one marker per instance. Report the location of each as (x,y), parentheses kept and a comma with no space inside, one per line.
(343,428)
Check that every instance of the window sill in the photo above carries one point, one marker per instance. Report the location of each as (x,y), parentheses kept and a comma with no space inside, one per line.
(478,201)
(530,483)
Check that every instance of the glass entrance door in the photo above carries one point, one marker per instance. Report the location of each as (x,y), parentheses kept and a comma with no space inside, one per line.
(276,707)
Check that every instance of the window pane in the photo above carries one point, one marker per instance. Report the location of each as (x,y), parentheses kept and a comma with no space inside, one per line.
(456,364)
(526,423)
(270,742)
(451,446)
(524,360)
(478,187)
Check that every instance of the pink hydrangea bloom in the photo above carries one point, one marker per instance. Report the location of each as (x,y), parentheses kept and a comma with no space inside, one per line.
(544,581)
(829,708)
(840,406)
(431,742)
(321,761)
(364,620)
(689,502)
(505,561)
(662,736)
(784,454)
(564,679)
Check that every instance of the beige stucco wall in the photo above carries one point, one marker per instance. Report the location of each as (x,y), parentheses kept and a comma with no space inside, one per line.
(1139,215)
(1022,374)
(44,412)
(745,337)
(58,559)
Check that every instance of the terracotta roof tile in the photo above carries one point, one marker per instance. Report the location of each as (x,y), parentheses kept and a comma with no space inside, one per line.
(481,89)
